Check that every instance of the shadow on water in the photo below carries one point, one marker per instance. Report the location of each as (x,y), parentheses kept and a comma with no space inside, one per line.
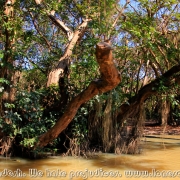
(161,142)
(159,146)
(26,164)
(125,162)
(155,155)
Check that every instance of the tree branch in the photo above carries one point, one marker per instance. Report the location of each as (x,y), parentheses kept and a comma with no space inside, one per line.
(132,108)
(64,60)
(164,55)
(56,21)
(119,15)
(157,63)
(110,78)
(40,33)
(73,37)
(120,12)
(61,25)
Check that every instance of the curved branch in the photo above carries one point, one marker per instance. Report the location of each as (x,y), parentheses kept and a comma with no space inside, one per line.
(131,109)
(110,78)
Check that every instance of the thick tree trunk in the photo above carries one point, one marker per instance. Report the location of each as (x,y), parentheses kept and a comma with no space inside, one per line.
(7,60)
(165,111)
(132,109)
(107,126)
(94,124)
(110,78)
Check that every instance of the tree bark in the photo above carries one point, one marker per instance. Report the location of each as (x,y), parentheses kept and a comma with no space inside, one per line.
(165,111)
(58,71)
(107,126)
(7,60)
(133,106)
(110,78)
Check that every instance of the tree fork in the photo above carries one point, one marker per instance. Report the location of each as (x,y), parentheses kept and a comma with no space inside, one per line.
(131,109)
(110,78)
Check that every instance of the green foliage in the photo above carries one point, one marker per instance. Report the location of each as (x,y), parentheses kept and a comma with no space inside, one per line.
(3,82)
(83,72)
(79,125)
(25,118)
(33,78)
(143,51)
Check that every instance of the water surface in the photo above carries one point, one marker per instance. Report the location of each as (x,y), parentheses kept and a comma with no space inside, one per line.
(160,157)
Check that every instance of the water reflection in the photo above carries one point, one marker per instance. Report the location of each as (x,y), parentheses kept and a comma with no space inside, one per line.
(131,163)
(158,155)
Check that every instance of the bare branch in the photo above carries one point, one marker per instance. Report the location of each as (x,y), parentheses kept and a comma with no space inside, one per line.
(119,15)
(120,12)
(135,10)
(40,33)
(56,21)
(155,59)
(60,24)
(165,57)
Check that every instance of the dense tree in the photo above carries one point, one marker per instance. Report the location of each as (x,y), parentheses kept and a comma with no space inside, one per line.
(153,31)
(47,54)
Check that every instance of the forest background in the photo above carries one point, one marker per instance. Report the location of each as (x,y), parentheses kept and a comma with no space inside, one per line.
(61,90)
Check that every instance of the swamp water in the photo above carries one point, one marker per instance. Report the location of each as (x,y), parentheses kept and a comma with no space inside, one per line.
(160,159)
